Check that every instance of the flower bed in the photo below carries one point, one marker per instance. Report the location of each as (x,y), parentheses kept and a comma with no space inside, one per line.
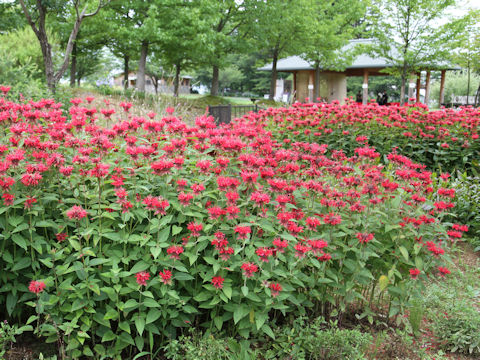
(443,140)
(119,237)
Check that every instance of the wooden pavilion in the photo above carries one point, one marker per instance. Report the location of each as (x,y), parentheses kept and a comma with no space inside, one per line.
(333,84)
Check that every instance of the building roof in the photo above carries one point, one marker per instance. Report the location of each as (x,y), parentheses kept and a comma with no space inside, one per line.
(362,61)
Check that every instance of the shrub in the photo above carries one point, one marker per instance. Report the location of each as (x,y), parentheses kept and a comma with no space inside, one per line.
(458,329)
(197,347)
(467,209)
(117,238)
(318,340)
(445,140)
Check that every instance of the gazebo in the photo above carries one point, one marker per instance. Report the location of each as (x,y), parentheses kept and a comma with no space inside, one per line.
(333,84)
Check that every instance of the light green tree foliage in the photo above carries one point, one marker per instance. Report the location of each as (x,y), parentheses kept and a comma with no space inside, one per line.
(11,17)
(282,28)
(184,34)
(231,25)
(21,66)
(332,25)
(410,37)
(121,30)
(456,83)
(39,13)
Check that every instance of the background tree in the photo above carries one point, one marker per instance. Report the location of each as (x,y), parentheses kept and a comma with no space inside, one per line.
(282,29)
(230,22)
(408,35)
(332,25)
(186,21)
(36,15)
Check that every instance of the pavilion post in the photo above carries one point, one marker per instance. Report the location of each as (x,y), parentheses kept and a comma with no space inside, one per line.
(294,84)
(427,88)
(442,88)
(418,87)
(311,80)
(365,87)
(411,86)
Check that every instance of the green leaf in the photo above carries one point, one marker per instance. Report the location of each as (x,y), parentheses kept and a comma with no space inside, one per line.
(111,314)
(139,266)
(20,241)
(164,234)
(218,320)
(125,326)
(239,313)
(11,302)
(183,276)
(150,303)
(245,290)
(404,252)
(140,324)
(155,251)
(176,230)
(22,264)
(108,336)
(203,296)
(153,314)
(227,290)
(260,319)
(268,330)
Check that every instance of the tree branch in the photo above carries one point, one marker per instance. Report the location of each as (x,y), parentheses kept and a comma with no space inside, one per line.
(29,18)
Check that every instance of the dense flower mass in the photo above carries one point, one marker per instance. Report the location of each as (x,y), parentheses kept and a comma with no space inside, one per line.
(271,212)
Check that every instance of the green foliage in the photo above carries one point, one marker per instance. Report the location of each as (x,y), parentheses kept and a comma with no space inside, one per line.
(456,83)
(318,340)
(467,209)
(198,347)
(451,306)
(458,329)
(8,334)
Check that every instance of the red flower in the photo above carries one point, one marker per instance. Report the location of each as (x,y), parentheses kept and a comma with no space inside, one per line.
(61,237)
(29,202)
(175,251)
(77,213)
(364,238)
(443,271)
(275,289)
(36,287)
(166,276)
(414,273)
(8,199)
(249,269)
(142,278)
(217,282)
(242,231)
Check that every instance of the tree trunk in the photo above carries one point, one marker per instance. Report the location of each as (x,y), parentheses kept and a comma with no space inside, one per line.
(141,67)
(273,81)
(39,28)
(125,72)
(78,80)
(177,80)
(316,93)
(468,81)
(402,88)
(215,77)
(73,65)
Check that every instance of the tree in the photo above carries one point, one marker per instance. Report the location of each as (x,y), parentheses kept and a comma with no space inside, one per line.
(228,34)
(282,28)
(333,23)
(409,36)
(183,35)
(12,17)
(36,15)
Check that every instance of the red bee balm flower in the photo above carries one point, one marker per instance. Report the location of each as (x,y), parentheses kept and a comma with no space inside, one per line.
(36,287)
(249,269)
(217,282)
(166,276)
(414,273)
(275,289)
(142,278)
(77,212)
